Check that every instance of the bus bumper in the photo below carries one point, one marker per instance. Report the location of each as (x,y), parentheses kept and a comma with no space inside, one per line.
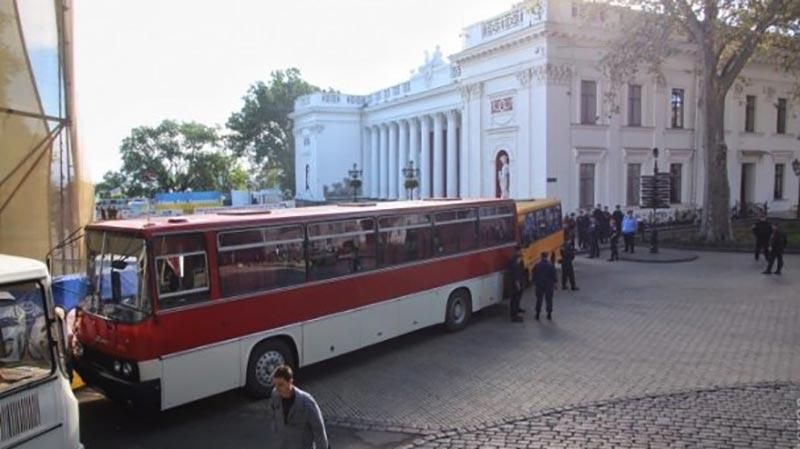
(139,394)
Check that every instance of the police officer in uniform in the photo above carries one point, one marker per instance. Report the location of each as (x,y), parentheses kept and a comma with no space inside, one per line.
(762,230)
(517,276)
(567,269)
(544,278)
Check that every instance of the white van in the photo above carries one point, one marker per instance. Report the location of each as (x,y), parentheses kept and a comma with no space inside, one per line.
(37,407)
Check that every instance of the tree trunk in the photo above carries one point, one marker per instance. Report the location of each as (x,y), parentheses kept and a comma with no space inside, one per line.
(716,223)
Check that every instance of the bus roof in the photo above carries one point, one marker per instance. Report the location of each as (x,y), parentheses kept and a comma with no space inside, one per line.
(18,269)
(528,205)
(220,219)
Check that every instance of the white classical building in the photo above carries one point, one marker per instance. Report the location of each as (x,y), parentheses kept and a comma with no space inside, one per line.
(523,110)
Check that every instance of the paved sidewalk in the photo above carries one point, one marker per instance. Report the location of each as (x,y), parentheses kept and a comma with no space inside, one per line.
(761,416)
(632,330)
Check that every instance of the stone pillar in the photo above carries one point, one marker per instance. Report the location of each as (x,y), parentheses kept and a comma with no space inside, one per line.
(403,148)
(375,167)
(452,162)
(413,147)
(384,162)
(438,156)
(364,161)
(424,164)
(393,170)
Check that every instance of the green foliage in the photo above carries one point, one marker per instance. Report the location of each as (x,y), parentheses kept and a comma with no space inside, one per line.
(173,156)
(262,130)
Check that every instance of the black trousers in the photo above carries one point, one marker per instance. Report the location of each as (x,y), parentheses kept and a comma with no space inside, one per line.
(762,245)
(594,251)
(516,296)
(630,239)
(567,274)
(614,250)
(772,257)
(547,294)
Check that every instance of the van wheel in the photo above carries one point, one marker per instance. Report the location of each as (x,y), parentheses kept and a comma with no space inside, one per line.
(459,310)
(265,358)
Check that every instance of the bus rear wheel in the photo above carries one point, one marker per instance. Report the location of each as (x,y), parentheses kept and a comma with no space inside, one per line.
(459,310)
(265,358)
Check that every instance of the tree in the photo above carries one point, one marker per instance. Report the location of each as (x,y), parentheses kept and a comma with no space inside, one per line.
(173,156)
(111,180)
(262,130)
(725,35)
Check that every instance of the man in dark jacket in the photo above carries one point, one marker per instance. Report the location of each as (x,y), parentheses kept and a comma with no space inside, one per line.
(614,239)
(567,269)
(762,230)
(777,243)
(294,420)
(618,216)
(582,224)
(517,277)
(544,278)
(594,238)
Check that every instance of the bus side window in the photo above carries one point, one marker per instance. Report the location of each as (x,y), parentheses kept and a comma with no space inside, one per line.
(181,270)
(340,248)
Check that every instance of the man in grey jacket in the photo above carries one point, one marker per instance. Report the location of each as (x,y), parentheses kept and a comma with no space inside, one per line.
(294,420)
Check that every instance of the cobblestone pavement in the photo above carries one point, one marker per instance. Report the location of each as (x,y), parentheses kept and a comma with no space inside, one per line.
(633,330)
(740,417)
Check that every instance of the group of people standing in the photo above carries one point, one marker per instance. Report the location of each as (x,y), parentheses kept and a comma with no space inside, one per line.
(770,240)
(591,228)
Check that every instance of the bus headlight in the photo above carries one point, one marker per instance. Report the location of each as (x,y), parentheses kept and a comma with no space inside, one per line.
(117,366)
(77,349)
(127,369)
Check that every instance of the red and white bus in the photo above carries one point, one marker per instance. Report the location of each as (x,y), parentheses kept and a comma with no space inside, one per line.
(187,307)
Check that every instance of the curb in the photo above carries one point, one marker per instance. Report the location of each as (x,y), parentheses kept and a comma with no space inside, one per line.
(676,259)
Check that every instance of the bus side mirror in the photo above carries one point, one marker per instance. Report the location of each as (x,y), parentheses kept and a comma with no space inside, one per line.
(116,286)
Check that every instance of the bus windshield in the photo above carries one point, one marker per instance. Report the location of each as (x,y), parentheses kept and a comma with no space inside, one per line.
(26,349)
(117,273)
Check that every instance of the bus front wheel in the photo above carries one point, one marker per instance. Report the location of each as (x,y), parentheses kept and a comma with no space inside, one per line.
(459,309)
(265,358)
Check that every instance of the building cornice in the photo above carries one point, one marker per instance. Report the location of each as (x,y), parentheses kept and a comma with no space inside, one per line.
(503,43)
(454,87)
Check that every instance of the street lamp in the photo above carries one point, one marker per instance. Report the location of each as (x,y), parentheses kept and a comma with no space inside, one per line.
(355,180)
(654,233)
(411,174)
(796,168)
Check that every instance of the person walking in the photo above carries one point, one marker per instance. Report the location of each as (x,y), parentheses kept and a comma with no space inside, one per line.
(762,230)
(567,268)
(294,420)
(618,216)
(544,278)
(614,239)
(582,223)
(629,225)
(517,276)
(606,225)
(594,238)
(777,243)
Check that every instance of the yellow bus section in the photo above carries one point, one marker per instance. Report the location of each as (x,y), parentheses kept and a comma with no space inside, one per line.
(548,228)
(77,382)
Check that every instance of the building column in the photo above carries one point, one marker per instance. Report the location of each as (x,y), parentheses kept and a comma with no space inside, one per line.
(452,162)
(375,156)
(403,129)
(413,148)
(393,160)
(438,156)
(364,160)
(384,162)
(463,159)
(424,164)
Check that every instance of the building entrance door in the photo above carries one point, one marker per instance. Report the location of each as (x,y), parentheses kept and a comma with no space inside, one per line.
(747,185)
